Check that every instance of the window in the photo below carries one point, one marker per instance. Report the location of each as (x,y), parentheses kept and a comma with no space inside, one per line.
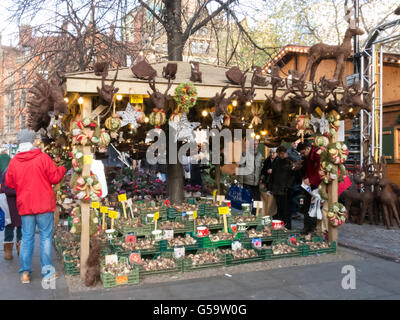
(43,56)
(200,47)
(23,121)
(194,49)
(27,51)
(128,61)
(23,99)
(23,76)
(11,99)
(45,74)
(164,47)
(11,124)
(205,31)
(157,47)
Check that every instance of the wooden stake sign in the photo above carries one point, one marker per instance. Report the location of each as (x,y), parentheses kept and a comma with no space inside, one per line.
(220,199)
(129,204)
(122,199)
(224,211)
(113,215)
(194,220)
(103,210)
(155,219)
(214,194)
(258,205)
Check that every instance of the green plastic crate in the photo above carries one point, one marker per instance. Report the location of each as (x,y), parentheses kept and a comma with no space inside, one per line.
(230,260)
(144,273)
(70,266)
(297,253)
(283,235)
(306,251)
(110,280)
(186,264)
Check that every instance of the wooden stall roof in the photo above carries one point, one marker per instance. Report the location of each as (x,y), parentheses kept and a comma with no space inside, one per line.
(214,80)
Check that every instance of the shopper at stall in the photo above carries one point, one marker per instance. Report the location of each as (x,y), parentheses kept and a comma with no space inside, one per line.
(32,173)
(311,178)
(252,165)
(280,182)
(295,189)
(4,161)
(266,170)
(16,222)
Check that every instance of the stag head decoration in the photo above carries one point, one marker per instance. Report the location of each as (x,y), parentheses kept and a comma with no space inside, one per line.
(320,94)
(322,51)
(277,82)
(107,91)
(220,103)
(258,77)
(195,73)
(245,97)
(160,100)
(299,98)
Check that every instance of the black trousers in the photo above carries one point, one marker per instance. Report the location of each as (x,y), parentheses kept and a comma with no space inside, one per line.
(282,203)
(255,194)
(310,224)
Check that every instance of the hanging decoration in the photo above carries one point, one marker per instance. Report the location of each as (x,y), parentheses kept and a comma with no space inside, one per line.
(86,188)
(184,129)
(157,118)
(130,116)
(337,214)
(321,124)
(217,121)
(185,96)
(77,221)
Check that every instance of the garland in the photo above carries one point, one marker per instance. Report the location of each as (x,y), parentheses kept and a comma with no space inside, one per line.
(86,188)
(77,221)
(185,96)
(337,214)
(88,133)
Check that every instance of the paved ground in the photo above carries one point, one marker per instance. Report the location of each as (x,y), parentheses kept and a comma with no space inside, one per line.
(298,278)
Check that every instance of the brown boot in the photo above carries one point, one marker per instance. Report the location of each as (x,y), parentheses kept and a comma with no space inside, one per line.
(18,246)
(25,278)
(8,246)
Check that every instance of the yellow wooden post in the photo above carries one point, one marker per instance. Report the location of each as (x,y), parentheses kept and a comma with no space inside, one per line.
(332,198)
(85,207)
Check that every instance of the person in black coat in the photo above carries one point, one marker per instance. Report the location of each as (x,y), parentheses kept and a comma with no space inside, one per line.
(280,181)
(267,169)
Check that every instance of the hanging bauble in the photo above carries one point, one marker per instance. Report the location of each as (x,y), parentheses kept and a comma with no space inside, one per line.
(157,118)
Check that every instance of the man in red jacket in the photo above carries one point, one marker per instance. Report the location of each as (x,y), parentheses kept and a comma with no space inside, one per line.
(312,178)
(32,173)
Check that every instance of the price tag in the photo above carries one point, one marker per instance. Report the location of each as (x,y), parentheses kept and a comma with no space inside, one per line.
(236,245)
(156,216)
(103,209)
(87,159)
(168,234)
(122,197)
(136,98)
(135,257)
(195,214)
(129,202)
(113,214)
(292,239)
(258,204)
(223,210)
(214,193)
(121,279)
(112,258)
(130,238)
(95,205)
(220,198)
(65,223)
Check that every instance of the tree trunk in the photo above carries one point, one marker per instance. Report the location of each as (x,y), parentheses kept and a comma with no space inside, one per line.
(175,53)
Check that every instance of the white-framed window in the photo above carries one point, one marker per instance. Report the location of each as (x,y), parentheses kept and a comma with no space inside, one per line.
(27,51)
(128,61)
(23,76)
(164,47)
(205,31)
(10,124)
(200,50)
(194,48)
(45,74)
(23,98)
(23,121)
(43,56)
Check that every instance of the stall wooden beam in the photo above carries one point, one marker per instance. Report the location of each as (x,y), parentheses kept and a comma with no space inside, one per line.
(85,207)
(332,198)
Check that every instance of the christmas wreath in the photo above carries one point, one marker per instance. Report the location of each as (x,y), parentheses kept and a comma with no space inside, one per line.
(337,214)
(86,188)
(185,96)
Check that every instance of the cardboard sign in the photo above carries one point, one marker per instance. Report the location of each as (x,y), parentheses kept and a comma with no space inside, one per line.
(179,253)
(113,214)
(130,237)
(103,209)
(156,216)
(87,159)
(223,210)
(168,234)
(121,280)
(236,245)
(112,258)
(122,197)
(258,204)
(136,98)
(95,205)
(135,257)
(129,202)
(257,243)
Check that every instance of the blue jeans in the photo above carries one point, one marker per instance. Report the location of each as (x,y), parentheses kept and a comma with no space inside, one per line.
(45,223)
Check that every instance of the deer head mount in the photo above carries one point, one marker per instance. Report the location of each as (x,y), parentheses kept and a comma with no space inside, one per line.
(160,100)
(320,94)
(277,82)
(220,103)
(106,92)
(297,88)
(340,53)
(169,72)
(243,95)
(143,70)
(195,73)
(101,68)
